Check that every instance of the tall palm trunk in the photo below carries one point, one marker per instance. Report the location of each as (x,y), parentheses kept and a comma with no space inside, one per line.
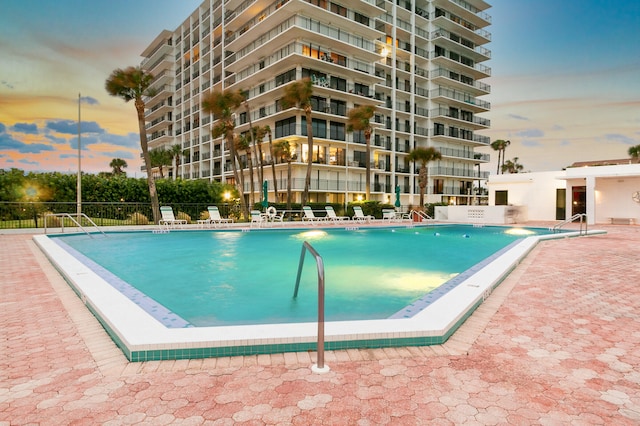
(153,194)
(260,164)
(289,184)
(239,179)
(252,195)
(367,138)
(423,178)
(251,151)
(273,165)
(307,179)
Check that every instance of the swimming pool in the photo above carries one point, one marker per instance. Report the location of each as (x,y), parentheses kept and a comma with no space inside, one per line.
(415,318)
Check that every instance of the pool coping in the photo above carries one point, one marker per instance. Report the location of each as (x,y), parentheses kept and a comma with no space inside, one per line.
(143,338)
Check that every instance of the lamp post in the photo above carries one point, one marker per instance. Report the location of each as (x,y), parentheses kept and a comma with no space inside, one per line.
(79,183)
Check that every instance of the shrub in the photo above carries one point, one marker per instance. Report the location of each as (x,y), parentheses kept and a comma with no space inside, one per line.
(183,216)
(138,218)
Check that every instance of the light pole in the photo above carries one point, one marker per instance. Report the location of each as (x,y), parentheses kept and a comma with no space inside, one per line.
(79,183)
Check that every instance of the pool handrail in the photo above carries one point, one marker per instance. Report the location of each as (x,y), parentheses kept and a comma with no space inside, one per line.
(581,216)
(68,215)
(320,367)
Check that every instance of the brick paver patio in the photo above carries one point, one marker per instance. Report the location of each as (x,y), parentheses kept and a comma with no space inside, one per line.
(558,343)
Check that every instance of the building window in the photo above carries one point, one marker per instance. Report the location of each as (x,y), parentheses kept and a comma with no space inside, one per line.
(286,127)
(358,137)
(319,104)
(338,107)
(338,84)
(364,20)
(361,89)
(285,77)
(318,127)
(360,157)
(340,10)
(502,198)
(337,131)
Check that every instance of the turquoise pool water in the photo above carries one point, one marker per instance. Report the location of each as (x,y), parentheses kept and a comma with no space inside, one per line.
(211,278)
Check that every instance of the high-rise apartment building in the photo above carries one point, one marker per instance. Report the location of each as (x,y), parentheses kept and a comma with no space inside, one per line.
(420,62)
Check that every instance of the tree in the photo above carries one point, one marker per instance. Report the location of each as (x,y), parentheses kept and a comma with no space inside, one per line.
(160,158)
(298,94)
(176,151)
(359,120)
(267,130)
(500,145)
(252,141)
(634,152)
(282,149)
(134,83)
(222,105)
(258,135)
(117,165)
(424,156)
(243,144)
(512,166)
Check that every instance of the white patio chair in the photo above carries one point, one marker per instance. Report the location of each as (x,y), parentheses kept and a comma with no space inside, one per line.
(168,218)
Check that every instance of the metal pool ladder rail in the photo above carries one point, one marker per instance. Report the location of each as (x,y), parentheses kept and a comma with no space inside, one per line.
(68,215)
(319,367)
(577,216)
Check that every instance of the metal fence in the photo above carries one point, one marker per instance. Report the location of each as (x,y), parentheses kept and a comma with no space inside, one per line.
(32,214)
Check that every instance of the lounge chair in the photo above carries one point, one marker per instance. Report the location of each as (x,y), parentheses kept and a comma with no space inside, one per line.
(359,215)
(331,215)
(310,217)
(168,219)
(214,217)
(257,218)
(389,215)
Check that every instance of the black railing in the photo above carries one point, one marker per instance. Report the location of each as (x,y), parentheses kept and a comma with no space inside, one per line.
(16,215)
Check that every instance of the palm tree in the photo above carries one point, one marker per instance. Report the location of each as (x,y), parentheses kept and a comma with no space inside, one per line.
(117,165)
(133,83)
(160,158)
(176,152)
(424,156)
(258,135)
(222,105)
(500,145)
(299,94)
(243,144)
(359,119)
(282,149)
(512,166)
(634,152)
(252,139)
(267,129)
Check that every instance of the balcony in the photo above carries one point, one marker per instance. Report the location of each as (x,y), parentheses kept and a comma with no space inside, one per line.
(454,116)
(451,41)
(463,99)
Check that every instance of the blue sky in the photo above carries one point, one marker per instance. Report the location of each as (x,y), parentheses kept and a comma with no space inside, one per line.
(565,79)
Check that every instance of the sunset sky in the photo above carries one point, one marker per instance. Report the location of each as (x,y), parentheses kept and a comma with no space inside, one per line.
(565,79)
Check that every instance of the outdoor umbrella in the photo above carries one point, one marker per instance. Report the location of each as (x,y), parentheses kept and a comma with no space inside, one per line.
(265,199)
(397,196)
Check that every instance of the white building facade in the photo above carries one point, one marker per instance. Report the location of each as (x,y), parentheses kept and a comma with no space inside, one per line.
(606,194)
(419,62)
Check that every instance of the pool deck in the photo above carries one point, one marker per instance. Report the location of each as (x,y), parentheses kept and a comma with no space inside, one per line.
(558,342)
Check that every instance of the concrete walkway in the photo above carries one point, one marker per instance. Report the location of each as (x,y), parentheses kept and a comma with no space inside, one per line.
(558,343)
